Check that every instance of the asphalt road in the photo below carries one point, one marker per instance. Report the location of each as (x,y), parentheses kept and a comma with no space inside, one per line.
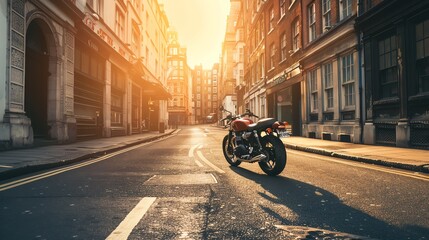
(181,188)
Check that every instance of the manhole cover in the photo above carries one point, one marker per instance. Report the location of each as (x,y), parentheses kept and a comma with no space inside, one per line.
(182,179)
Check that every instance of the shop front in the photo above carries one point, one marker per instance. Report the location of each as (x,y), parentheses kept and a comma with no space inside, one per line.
(284,99)
(89,86)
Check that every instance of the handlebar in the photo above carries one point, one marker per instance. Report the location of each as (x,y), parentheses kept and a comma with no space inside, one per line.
(230,116)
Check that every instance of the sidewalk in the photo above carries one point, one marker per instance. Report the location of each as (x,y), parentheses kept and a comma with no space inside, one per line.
(21,161)
(404,158)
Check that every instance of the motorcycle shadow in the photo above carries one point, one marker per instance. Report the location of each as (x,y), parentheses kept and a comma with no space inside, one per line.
(311,206)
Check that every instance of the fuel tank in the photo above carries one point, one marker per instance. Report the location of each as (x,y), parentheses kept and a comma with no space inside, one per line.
(241,124)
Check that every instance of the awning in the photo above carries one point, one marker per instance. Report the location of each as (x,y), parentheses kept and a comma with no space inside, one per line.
(152,87)
(155,90)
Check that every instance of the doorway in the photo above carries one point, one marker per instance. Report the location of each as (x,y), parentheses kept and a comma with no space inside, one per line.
(36,80)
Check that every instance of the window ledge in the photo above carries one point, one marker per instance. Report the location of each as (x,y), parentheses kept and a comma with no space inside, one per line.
(419,96)
(387,101)
(348,109)
(294,51)
(281,18)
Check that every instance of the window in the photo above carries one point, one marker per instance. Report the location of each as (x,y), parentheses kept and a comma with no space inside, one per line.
(262,29)
(282,8)
(241,54)
(271,18)
(96,5)
(120,24)
(345,8)
(295,35)
(311,22)
(422,53)
(348,80)
(135,39)
(262,104)
(272,55)
(326,14)
(329,85)
(89,65)
(387,49)
(283,46)
(117,96)
(312,81)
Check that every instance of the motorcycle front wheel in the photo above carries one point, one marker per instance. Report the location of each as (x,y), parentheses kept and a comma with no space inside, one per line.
(276,155)
(228,152)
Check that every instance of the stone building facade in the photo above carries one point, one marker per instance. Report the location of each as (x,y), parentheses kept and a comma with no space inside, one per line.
(71,72)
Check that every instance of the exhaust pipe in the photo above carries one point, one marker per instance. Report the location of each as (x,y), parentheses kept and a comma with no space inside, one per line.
(258,158)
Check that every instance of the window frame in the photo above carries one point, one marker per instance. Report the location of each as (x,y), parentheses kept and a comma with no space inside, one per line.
(283,47)
(326,15)
(311,10)
(348,79)
(422,58)
(295,35)
(388,66)
(314,91)
(328,83)
(345,8)
(272,55)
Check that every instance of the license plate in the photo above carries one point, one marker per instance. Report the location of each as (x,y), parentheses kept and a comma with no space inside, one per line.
(282,133)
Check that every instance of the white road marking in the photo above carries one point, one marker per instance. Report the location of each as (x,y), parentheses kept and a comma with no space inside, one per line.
(199,163)
(37,177)
(5,166)
(405,173)
(191,151)
(201,156)
(214,178)
(132,219)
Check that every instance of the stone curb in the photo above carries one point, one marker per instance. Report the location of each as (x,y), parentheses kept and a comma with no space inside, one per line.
(416,168)
(40,167)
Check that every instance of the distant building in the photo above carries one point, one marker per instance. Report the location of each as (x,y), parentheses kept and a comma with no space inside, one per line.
(227,80)
(205,94)
(179,108)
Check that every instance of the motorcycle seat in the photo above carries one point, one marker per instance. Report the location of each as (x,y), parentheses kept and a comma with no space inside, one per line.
(262,123)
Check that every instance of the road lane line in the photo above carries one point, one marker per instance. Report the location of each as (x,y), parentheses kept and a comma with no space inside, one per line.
(37,177)
(5,166)
(125,228)
(214,178)
(199,163)
(385,169)
(209,163)
(191,151)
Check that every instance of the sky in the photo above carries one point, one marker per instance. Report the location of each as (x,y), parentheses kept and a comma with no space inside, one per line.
(201,28)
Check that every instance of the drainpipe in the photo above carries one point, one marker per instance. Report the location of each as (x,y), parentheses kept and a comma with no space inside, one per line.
(361,52)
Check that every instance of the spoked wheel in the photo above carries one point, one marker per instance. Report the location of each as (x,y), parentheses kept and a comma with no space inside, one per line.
(228,152)
(276,155)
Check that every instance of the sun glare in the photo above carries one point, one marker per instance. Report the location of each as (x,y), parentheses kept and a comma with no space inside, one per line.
(201,27)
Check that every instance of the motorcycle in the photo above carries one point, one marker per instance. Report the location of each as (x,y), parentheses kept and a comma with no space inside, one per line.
(251,142)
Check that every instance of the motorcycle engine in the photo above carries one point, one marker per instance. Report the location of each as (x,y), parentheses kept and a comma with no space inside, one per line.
(241,150)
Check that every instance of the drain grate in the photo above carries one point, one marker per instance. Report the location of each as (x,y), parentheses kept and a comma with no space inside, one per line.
(182,179)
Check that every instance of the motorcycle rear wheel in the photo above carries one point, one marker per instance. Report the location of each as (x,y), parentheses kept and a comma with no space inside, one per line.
(228,152)
(276,156)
